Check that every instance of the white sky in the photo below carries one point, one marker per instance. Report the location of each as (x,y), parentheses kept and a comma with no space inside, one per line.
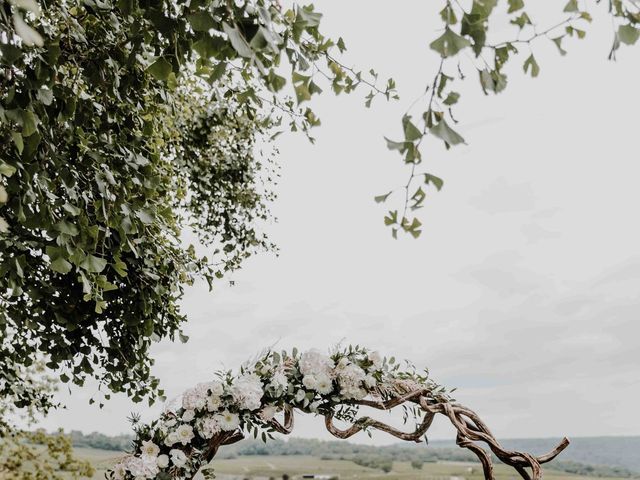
(522,290)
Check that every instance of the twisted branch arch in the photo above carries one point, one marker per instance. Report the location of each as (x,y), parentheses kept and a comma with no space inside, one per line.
(354,378)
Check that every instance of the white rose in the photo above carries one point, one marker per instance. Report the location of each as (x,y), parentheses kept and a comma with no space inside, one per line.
(178,458)
(119,472)
(171,439)
(185,434)
(376,359)
(188,415)
(216,388)
(247,391)
(162,461)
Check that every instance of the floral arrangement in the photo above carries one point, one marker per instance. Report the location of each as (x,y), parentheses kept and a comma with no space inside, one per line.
(184,439)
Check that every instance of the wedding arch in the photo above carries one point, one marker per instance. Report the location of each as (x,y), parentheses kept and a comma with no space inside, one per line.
(261,398)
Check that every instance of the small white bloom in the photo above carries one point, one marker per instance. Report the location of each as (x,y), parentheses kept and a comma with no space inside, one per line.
(178,458)
(208,427)
(216,388)
(268,412)
(162,461)
(376,359)
(310,382)
(324,384)
(279,380)
(150,449)
(171,439)
(228,421)
(185,434)
(213,403)
(188,415)
(313,362)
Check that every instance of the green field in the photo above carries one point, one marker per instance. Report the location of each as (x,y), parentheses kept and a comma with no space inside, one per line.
(266,467)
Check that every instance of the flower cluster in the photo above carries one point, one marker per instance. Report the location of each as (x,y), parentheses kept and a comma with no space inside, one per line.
(175,446)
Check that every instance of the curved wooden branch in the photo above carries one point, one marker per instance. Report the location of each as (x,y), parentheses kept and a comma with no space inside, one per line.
(470,430)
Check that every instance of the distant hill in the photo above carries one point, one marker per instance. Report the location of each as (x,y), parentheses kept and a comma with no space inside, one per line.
(592,456)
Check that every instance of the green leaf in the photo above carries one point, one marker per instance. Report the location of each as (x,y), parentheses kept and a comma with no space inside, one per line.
(449,43)
(60,265)
(433,180)
(444,132)
(382,198)
(530,63)
(201,21)
(238,41)
(66,228)
(451,99)
(515,5)
(160,69)
(29,123)
(558,42)
(93,264)
(628,34)
(571,6)
(411,132)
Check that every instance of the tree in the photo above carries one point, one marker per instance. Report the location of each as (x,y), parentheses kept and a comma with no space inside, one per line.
(28,455)
(127,122)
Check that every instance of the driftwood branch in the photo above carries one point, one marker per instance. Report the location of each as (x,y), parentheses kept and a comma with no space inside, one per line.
(471,432)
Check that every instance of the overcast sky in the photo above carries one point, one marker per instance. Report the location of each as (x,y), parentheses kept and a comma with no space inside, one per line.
(522,291)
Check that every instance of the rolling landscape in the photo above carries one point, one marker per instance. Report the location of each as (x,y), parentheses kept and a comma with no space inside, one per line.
(601,457)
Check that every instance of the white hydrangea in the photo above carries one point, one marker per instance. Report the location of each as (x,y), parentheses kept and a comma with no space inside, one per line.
(194,399)
(208,427)
(247,391)
(143,467)
(310,382)
(178,458)
(312,362)
(350,379)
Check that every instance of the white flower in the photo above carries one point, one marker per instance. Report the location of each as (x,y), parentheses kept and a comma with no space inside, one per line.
(194,399)
(310,382)
(279,380)
(171,439)
(213,403)
(185,434)
(342,363)
(208,427)
(143,467)
(268,412)
(119,471)
(376,359)
(188,415)
(313,362)
(216,388)
(150,449)
(178,458)
(228,421)
(162,461)
(170,422)
(4,226)
(370,381)
(350,379)
(324,385)
(247,391)
(3,195)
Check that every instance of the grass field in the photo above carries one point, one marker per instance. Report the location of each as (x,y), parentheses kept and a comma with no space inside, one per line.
(266,467)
